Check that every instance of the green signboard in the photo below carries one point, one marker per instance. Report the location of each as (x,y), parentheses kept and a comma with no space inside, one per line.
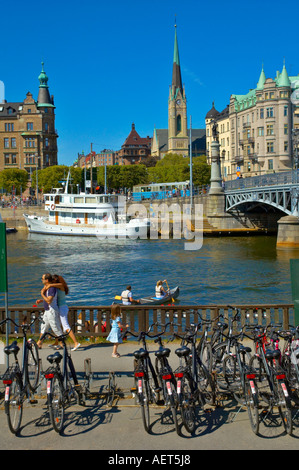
(295,287)
(3,258)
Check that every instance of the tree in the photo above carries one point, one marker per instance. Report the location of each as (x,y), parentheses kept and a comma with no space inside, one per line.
(13,177)
(52,176)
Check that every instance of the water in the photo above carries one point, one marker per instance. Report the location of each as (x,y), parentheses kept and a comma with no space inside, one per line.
(225,270)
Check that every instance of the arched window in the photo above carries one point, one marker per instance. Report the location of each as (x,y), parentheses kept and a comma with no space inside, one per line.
(179,123)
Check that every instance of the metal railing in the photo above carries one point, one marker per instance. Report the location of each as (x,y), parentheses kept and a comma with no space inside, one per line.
(272,179)
(89,320)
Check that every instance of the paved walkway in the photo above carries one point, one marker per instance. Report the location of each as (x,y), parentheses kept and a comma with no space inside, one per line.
(117,428)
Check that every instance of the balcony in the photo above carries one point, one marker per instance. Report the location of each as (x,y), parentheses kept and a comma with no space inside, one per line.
(246,125)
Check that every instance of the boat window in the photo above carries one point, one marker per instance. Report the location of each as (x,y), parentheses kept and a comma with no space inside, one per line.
(79,200)
(90,200)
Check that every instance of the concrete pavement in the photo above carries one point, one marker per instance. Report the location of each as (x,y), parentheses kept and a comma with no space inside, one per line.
(116,428)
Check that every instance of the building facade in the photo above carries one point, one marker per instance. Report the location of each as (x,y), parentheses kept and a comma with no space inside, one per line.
(135,149)
(256,131)
(28,138)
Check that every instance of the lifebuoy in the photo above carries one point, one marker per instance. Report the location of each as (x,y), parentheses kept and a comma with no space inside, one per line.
(78,221)
(105,218)
(52,207)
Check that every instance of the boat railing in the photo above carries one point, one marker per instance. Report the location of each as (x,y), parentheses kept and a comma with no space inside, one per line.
(94,321)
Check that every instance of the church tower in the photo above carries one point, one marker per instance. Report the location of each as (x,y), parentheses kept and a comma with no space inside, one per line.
(177,108)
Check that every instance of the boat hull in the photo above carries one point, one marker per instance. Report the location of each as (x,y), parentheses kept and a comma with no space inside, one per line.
(173,294)
(133,229)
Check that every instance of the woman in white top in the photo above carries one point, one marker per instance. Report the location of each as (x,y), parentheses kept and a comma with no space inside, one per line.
(62,291)
(160,291)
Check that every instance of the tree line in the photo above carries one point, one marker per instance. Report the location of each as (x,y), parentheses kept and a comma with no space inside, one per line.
(171,168)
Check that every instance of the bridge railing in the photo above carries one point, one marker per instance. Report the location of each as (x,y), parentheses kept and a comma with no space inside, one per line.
(94,321)
(272,179)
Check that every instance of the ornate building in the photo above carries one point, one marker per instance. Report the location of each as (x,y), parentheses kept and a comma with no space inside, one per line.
(257,130)
(175,139)
(135,149)
(28,138)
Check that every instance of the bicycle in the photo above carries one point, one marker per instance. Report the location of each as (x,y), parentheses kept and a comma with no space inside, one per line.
(220,346)
(22,381)
(199,385)
(166,376)
(205,346)
(63,385)
(147,386)
(271,378)
(290,361)
(241,380)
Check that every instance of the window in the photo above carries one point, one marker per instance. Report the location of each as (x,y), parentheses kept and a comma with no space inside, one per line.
(286,129)
(270,130)
(46,126)
(270,112)
(46,142)
(270,147)
(29,126)
(270,164)
(29,111)
(271,95)
(13,143)
(262,113)
(6,143)
(9,127)
(179,123)
(285,111)
(286,146)
(30,142)
(260,131)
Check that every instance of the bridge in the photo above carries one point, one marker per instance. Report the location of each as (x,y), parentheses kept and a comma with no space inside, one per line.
(278,190)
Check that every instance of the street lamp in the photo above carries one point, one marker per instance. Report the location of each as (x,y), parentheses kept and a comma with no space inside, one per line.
(36,165)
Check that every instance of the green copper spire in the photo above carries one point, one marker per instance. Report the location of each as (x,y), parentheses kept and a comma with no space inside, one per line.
(43,78)
(262,79)
(176,71)
(283,79)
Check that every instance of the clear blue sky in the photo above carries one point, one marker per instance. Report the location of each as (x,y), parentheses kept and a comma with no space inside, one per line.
(110,63)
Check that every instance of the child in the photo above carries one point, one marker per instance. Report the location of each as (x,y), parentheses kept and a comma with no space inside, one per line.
(115,333)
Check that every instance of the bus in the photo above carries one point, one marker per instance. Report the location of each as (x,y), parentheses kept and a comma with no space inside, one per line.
(161,190)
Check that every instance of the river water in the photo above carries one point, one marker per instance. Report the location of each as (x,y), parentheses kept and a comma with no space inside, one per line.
(225,270)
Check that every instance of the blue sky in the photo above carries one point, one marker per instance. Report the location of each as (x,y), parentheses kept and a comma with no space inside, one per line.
(110,63)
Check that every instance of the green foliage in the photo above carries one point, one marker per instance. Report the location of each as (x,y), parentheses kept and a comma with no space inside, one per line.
(124,176)
(13,177)
(49,177)
(175,167)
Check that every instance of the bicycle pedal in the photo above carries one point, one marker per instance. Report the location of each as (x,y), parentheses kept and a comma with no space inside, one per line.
(33,402)
(133,390)
(160,402)
(158,389)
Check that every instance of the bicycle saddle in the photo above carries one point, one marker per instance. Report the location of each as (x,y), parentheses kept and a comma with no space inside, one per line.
(56,357)
(163,352)
(183,352)
(244,349)
(272,354)
(13,348)
(141,353)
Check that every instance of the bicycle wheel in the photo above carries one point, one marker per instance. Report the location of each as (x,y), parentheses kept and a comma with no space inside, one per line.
(14,404)
(144,400)
(56,403)
(170,398)
(218,353)
(284,407)
(252,406)
(32,366)
(206,356)
(205,383)
(187,406)
(257,366)
(291,371)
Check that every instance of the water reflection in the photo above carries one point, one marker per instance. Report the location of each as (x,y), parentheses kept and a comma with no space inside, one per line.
(224,270)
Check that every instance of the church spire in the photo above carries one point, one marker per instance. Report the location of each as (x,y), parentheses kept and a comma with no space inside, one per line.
(176,70)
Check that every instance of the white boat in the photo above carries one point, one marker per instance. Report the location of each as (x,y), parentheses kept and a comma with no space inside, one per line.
(96,215)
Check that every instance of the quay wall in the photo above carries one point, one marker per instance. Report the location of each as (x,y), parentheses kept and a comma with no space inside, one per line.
(215,219)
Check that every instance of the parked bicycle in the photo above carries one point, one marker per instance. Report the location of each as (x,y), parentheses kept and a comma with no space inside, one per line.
(271,377)
(21,381)
(149,384)
(240,378)
(63,386)
(290,361)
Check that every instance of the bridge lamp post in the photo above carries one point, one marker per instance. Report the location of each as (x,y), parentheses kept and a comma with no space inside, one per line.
(295,133)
